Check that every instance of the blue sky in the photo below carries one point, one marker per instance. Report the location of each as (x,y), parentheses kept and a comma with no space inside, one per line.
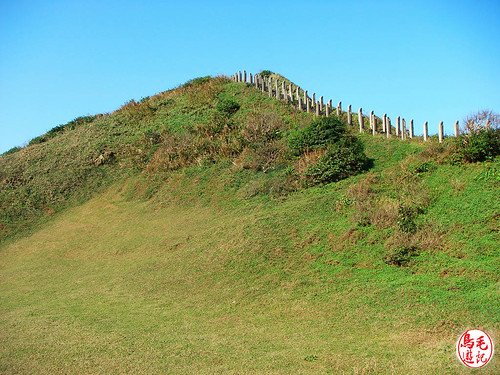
(426,60)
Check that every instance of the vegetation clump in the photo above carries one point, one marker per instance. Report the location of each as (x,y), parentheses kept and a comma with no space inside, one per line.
(477,146)
(343,156)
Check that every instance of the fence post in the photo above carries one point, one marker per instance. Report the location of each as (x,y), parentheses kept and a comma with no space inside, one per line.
(297,93)
(411,128)
(426,131)
(373,123)
(245,76)
(349,115)
(299,103)
(360,119)
(270,87)
(251,79)
(317,109)
(440,132)
(321,104)
(277,94)
(398,125)
(327,110)
(290,92)
(457,129)
(240,76)
(308,105)
(403,129)
(305,96)
(388,127)
(313,99)
(339,109)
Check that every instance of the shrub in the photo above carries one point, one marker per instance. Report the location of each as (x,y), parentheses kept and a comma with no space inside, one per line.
(227,106)
(484,119)
(423,167)
(401,256)
(265,73)
(152,137)
(341,160)
(321,132)
(406,219)
(480,145)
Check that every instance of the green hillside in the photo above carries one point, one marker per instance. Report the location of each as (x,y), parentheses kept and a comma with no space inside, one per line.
(191,233)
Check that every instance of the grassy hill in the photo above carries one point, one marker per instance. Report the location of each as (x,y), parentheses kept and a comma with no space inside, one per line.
(180,234)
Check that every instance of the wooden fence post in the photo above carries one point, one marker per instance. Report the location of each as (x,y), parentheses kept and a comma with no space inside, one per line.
(339,109)
(457,129)
(299,103)
(349,115)
(321,104)
(317,109)
(308,105)
(313,102)
(360,119)
(440,132)
(305,96)
(398,125)
(245,76)
(426,131)
(411,129)
(403,129)
(388,127)
(327,110)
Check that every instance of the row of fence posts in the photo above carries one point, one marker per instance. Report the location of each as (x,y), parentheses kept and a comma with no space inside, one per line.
(289,93)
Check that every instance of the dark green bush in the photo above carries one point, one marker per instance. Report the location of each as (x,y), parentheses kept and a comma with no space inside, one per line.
(406,219)
(480,145)
(265,73)
(401,256)
(423,167)
(227,106)
(342,159)
(323,131)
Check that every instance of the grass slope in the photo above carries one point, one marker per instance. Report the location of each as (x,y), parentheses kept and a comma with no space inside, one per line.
(216,283)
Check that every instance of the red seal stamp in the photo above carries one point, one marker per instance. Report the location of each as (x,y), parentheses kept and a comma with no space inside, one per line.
(474,348)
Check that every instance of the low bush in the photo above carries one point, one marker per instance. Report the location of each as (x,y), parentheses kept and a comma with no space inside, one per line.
(342,159)
(265,73)
(401,256)
(227,106)
(406,219)
(321,132)
(477,146)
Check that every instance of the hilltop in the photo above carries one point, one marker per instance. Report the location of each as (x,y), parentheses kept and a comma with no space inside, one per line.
(213,229)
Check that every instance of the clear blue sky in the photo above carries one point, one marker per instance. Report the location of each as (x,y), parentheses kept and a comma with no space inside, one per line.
(427,60)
